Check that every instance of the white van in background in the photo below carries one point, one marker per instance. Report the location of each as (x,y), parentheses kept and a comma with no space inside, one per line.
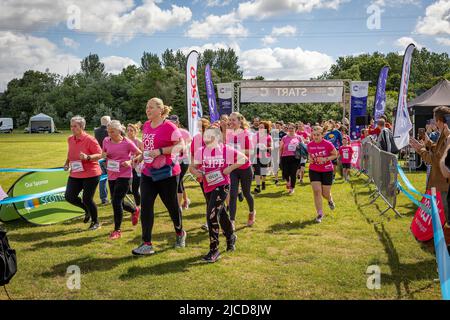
(6,125)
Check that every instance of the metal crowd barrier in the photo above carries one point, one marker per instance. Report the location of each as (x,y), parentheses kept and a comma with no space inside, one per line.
(381,169)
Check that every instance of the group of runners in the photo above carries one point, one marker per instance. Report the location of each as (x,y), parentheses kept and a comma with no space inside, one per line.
(225,158)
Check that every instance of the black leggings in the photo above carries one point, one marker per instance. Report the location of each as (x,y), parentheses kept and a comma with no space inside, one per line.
(184,168)
(290,166)
(118,189)
(88,186)
(135,188)
(245,177)
(167,191)
(217,214)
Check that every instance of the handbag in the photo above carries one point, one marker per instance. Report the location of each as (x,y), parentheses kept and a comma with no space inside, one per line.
(8,260)
(162,173)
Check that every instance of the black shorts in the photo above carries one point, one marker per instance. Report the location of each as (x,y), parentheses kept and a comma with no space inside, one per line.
(346,165)
(326,178)
(260,169)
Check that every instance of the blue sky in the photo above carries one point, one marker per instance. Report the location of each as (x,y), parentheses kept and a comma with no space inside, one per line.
(279,39)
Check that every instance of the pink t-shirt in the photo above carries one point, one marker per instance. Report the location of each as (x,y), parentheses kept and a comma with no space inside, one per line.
(165,135)
(212,161)
(88,145)
(197,143)
(303,134)
(321,149)
(117,153)
(240,141)
(346,153)
(185,135)
(266,141)
(289,145)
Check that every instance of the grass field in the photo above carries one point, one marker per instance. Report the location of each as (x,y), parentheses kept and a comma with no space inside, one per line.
(285,255)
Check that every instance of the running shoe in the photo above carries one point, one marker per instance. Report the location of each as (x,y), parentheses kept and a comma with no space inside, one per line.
(276,182)
(94,226)
(105,202)
(257,190)
(212,256)
(331,204)
(240,196)
(135,216)
(319,218)
(87,217)
(251,219)
(205,227)
(181,240)
(291,191)
(116,234)
(185,205)
(231,243)
(144,249)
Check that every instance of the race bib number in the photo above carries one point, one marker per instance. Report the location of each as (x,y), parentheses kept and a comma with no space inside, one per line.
(76,166)
(292,147)
(147,158)
(214,177)
(113,166)
(345,154)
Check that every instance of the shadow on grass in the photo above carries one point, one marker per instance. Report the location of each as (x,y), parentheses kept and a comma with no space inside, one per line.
(77,242)
(277,194)
(287,226)
(170,267)
(401,274)
(193,238)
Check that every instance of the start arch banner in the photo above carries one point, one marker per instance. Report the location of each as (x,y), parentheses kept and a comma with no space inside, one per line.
(307,91)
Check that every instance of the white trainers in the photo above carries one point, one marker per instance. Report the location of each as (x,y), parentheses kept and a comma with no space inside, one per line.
(143,250)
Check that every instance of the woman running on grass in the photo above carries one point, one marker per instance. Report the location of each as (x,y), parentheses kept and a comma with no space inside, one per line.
(263,154)
(289,162)
(346,154)
(213,163)
(119,152)
(162,142)
(132,132)
(321,154)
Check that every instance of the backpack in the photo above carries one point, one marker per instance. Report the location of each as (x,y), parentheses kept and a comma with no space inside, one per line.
(394,148)
(8,260)
(301,151)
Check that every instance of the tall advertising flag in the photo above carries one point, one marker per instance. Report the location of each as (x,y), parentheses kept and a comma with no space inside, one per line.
(194,106)
(211,95)
(358,106)
(402,121)
(225,95)
(380,95)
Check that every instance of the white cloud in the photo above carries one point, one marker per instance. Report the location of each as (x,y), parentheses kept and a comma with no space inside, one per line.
(266,8)
(115,64)
(436,20)
(68,42)
(110,20)
(19,53)
(283,64)
(395,3)
(212,46)
(285,31)
(225,25)
(217,3)
(443,41)
(403,42)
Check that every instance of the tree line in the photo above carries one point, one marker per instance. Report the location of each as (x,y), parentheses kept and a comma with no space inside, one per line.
(93,93)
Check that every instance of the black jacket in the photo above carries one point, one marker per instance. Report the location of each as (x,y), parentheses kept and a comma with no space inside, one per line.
(100,134)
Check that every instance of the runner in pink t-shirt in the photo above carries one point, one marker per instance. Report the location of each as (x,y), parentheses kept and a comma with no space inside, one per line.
(119,152)
(346,154)
(289,163)
(321,154)
(82,160)
(263,143)
(213,163)
(132,133)
(162,143)
(239,138)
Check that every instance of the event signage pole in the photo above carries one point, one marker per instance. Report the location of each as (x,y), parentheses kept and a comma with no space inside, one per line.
(211,95)
(358,106)
(402,121)
(194,106)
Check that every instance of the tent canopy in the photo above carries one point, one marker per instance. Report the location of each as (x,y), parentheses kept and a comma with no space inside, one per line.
(439,95)
(41,122)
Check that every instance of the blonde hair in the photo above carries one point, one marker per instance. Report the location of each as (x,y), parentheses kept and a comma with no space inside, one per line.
(116,125)
(165,110)
(317,128)
(135,126)
(241,118)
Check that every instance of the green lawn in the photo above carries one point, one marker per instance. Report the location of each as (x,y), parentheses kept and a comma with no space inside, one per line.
(285,255)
